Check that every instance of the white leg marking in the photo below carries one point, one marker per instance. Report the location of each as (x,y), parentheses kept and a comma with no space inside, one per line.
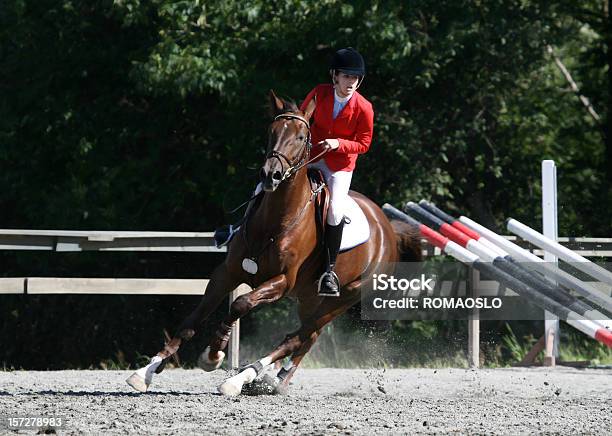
(208,365)
(141,379)
(233,385)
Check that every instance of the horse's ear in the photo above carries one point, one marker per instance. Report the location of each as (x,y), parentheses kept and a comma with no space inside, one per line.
(312,104)
(276,104)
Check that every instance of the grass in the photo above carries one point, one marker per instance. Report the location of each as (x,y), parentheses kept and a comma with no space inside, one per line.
(574,347)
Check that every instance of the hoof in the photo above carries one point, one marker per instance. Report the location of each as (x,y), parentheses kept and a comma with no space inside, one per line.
(229,389)
(137,382)
(274,384)
(271,380)
(210,365)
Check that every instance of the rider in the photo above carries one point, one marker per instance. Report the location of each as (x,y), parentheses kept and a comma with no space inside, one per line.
(342,123)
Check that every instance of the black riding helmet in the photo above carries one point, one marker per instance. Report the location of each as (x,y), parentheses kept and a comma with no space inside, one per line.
(348,61)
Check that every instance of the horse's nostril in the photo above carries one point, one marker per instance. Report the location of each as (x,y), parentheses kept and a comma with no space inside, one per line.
(277,175)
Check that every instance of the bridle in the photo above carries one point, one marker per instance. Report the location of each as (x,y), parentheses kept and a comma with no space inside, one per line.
(293,167)
(303,158)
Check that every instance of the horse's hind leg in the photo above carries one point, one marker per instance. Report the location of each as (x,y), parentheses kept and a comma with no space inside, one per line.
(267,292)
(280,382)
(221,283)
(293,343)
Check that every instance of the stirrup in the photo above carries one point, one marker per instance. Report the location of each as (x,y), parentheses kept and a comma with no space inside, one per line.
(324,289)
(224,235)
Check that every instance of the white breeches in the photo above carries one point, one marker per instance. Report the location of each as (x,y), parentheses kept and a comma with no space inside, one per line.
(339,183)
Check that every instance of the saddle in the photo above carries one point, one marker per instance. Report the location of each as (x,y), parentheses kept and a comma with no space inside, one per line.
(356,228)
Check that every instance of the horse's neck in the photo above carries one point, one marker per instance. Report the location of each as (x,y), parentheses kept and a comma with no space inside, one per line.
(282,206)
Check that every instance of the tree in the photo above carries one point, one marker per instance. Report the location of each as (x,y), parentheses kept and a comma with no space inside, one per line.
(150,115)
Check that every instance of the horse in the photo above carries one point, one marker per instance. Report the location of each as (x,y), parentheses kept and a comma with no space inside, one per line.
(278,251)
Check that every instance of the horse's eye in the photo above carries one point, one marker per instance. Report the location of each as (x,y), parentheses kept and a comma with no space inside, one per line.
(301,138)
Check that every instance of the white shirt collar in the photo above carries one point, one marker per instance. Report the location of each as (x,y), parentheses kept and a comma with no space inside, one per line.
(341,99)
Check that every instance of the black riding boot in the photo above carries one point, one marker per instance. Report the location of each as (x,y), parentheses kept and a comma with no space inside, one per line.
(329,285)
(223,235)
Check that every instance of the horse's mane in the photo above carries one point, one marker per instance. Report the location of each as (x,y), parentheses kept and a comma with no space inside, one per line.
(288,106)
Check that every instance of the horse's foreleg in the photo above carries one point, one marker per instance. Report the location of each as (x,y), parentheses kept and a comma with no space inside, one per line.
(221,283)
(267,292)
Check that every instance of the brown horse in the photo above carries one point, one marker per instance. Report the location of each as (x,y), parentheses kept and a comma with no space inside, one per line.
(283,247)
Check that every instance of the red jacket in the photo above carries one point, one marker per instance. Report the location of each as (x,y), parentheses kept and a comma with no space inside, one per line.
(353,127)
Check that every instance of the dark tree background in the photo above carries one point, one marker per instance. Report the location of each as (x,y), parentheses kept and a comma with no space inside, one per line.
(130,115)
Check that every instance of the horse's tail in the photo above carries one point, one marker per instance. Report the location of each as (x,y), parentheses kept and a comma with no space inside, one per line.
(408,241)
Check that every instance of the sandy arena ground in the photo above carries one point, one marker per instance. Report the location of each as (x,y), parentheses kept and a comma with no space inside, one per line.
(321,401)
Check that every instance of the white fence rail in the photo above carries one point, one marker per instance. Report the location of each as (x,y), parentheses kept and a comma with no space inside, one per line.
(68,240)
(74,241)
(104,286)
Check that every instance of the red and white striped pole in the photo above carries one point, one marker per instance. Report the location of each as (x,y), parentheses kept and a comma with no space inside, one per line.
(503,261)
(431,208)
(516,253)
(471,259)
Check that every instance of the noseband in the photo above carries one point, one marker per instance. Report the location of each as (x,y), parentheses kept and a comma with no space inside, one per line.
(293,167)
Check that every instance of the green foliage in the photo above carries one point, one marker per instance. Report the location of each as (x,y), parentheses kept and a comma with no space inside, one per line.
(575,347)
(516,349)
(105,96)
(151,115)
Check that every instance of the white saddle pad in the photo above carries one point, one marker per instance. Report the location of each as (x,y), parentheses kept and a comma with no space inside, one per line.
(358,230)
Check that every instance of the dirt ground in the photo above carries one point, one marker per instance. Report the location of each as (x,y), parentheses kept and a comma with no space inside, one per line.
(320,401)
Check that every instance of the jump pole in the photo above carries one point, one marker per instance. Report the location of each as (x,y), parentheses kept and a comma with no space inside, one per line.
(502,261)
(515,253)
(471,259)
(477,231)
(533,261)
(432,209)
(562,252)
